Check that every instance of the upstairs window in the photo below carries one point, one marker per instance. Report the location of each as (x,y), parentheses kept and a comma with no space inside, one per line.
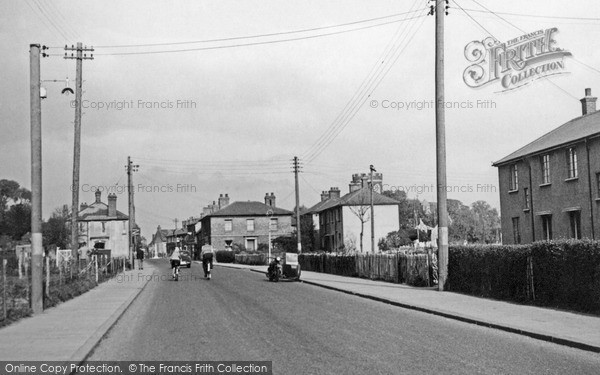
(526,191)
(273,224)
(572,162)
(514,178)
(228,225)
(546,169)
(250,225)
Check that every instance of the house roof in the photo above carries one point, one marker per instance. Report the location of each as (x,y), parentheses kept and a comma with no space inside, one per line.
(574,130)
(248,209)
(98,211)
(359,197)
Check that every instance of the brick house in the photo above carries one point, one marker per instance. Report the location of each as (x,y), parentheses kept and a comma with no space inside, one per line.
(339,218)
(101,226)
(246,223)
(550,188)
(157,248)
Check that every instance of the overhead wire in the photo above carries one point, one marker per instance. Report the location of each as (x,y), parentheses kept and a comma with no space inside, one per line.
(258,35)
(46,17)
(489,33)
(253,43)
(335,129)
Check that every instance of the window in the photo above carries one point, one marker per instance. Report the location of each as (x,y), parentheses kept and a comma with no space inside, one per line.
(516,230)
(526,191)
(572,162)
(250,225)
(547,227)
(514,178)
(104,226)
(575,219)
(250,244)
(546,169)
(273,224)
(228,225)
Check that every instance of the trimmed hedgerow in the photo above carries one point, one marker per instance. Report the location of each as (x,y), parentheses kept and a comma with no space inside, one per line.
(565,274)
(225,256)
(495,271)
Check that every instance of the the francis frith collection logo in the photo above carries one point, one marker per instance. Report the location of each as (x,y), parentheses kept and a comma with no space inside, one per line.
(515,63)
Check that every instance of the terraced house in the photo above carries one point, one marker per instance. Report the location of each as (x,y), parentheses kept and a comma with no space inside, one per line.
(550,188)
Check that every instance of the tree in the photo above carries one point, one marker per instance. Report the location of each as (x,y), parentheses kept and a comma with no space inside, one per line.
(362,213)
(486,221)
(55,231)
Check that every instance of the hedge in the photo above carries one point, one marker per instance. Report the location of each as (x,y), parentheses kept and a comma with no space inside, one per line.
(495,271)
(225,256)
(343,265)
(562,274)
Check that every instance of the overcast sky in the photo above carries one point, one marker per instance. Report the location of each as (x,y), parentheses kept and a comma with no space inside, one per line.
(252,108)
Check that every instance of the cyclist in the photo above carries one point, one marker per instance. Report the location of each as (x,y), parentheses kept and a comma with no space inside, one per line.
(175,260)
(207,255)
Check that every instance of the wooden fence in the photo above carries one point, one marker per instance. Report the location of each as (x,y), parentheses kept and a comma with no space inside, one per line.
(418,269)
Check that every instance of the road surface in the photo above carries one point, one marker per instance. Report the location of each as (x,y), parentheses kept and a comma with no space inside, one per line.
(304,329)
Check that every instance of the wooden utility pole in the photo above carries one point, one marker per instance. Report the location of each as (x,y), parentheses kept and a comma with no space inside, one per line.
(79,57)
(298,223)
(440,131)
(130,169)
(37,298)
(372,169)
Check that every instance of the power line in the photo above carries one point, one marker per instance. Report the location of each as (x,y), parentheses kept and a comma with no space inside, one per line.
(538,15)
(256,43)
(354,100)
(335,130)
(50,20)
(259,35)
(518,28)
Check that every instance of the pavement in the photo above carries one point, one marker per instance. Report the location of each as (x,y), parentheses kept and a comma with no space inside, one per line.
(565,328)
(71,330)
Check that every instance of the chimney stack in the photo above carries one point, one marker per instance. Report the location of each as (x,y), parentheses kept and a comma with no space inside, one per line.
(83,206)
(270,199)
(588,103)
(223,201)
(98,194)
(324,196)
(112,205)
(334,192)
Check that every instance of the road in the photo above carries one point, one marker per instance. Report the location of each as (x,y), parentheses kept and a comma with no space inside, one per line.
(304,329)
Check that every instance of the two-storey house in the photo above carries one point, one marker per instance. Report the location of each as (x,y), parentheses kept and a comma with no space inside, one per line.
(247,223)
(550,188)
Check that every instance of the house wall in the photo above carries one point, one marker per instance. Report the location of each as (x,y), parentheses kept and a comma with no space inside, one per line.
(115,230)
(331,229)
(239,232)
(556,198)
(386,220)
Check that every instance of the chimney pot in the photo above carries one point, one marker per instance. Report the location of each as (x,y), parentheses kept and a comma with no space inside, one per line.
(98,195)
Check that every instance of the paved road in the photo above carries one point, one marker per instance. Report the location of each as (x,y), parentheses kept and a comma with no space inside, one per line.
(303,329)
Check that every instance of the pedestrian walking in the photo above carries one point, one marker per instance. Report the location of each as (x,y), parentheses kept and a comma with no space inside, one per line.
(140,258)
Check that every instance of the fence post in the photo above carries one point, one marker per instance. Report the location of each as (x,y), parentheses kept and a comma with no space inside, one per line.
(27,295)
(96,266)
(4,309)
(47,276)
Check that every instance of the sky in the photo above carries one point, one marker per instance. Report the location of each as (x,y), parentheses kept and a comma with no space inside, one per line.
(340,84)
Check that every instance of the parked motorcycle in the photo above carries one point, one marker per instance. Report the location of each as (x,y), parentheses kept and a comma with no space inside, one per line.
(274,271)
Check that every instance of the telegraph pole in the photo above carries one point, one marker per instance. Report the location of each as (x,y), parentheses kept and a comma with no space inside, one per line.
(130,169)
(79,57)
(440,131)
(372,169)
(296,171)
(37,301)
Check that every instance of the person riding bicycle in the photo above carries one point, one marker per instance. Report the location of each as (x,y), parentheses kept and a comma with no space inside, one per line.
(207,255)
(175,260)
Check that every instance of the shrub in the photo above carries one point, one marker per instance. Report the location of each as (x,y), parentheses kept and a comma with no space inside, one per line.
(489,271)
(225,256)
